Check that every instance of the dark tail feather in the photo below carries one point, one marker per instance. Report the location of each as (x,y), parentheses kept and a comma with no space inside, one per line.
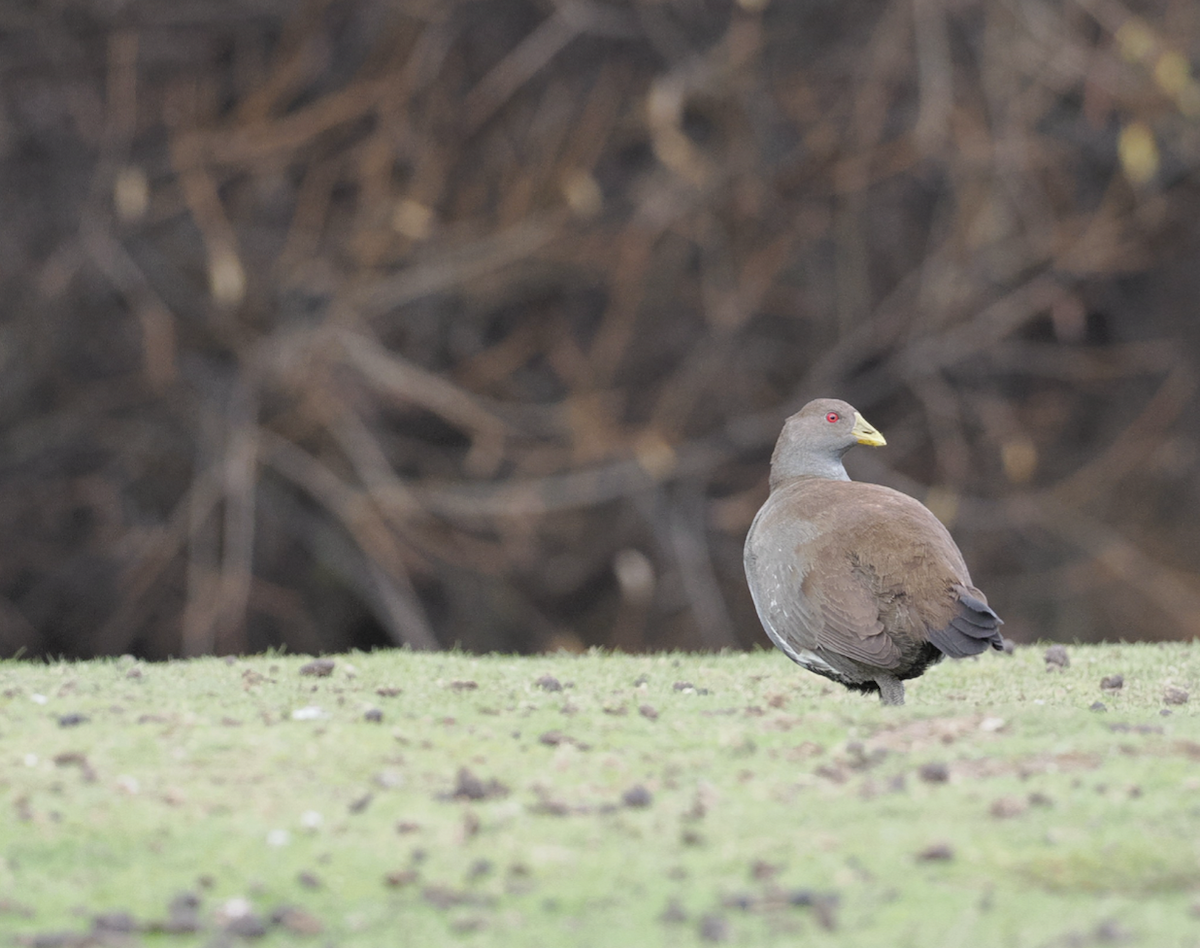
(972,629)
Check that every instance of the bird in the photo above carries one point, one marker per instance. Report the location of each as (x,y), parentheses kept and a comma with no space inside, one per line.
(852,580)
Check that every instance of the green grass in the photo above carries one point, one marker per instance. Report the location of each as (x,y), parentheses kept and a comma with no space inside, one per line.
(1064,825)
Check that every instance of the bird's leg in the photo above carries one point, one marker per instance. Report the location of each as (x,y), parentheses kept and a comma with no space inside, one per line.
(891,690)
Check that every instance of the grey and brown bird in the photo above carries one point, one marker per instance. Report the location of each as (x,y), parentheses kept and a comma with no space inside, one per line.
(856,581)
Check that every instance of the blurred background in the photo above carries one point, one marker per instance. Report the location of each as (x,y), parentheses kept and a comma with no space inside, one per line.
(352,323)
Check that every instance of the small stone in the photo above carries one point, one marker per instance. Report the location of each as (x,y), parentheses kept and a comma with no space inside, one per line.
(319,668)
(938,852)
(310,880)
(1057,658)
(637,797)
(714,928)
(934,772)
(549,683)
(480,868)
(470,787)
(648,712)
(1007,807)
(673,914)
(762,870)
(1097,706)
(246,926)
(73,720)
(297,920)
(1174,695)
(114,922)
(464,685)
(374,715)
(1112,682)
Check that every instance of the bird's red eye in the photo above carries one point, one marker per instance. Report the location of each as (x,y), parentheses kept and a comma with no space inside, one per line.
(833,417)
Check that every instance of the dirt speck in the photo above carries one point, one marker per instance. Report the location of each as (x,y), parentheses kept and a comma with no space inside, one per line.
(637,797)
(764,871)
(480,868)
(400,878)
(464,685)
(714,928)
(249,925)
(297,920)
(117,923)
(648,712)
(938,852)
(674,914)
(12,907)
(319,668)
(934,772)
(388,691)
(75,719)
(1007,807)
(470,787)
(76,759)
(308,879)
(1057,658)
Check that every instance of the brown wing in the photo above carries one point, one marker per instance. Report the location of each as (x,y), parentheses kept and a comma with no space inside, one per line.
(864,572)
(851,624)
(806,594)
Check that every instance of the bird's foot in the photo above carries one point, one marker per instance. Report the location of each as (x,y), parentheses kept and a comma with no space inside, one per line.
(891,690)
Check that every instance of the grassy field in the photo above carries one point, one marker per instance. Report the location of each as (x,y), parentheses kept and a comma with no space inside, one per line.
(599,800)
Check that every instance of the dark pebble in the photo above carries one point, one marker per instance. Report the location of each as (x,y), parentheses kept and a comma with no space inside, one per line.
(938,852)
(1112,682)
(463,685)
(549,683)
(648,712)
(246,926)
(374,715)
(673,914)
(470,787)
(1057,658)
(297,920)
(1171,695)
(714,928)
(934,772)
(114,922)
(310,880)
(319,668)
(637,797)
(71,720)
(1097,706)
(480,868)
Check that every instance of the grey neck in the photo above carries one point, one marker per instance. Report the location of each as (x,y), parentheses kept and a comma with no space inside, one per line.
(788,463)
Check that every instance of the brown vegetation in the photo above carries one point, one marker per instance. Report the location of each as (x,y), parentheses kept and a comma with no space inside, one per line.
(346,323)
